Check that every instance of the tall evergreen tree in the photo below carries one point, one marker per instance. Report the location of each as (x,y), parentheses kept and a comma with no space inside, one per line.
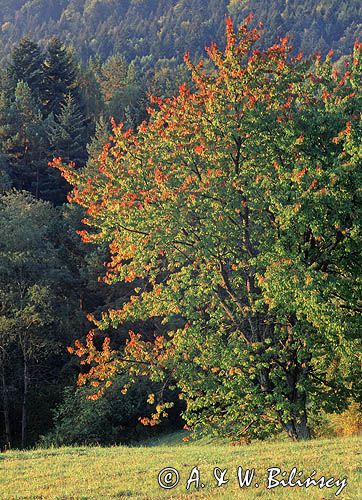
(67,133)
(112,76)
(22,137)
(5,121)
(26,125)
(31,139)
(60,76)
(27,65)
(134,97)
(91,96)
(67,136)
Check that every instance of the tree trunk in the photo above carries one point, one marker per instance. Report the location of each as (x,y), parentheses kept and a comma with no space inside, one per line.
(37,183)
(296,372)
(297,428)
(25,403)
(6,412)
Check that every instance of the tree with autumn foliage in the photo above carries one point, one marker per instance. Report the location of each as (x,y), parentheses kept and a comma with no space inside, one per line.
(236,214)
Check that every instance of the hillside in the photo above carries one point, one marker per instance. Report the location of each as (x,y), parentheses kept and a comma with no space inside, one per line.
(208,271)
(167,28)
(123,472)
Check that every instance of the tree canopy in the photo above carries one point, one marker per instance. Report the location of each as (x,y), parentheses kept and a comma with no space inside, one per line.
(166,28)
(235,213)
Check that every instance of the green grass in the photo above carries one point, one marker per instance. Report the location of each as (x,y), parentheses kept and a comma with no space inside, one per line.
(131,472)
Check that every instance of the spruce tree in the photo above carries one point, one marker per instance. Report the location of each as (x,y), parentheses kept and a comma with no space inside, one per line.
(112,76)
(134,96)
(22,138)
(30,139)
(27,65)
(67,133)
(67,136)
(60,76)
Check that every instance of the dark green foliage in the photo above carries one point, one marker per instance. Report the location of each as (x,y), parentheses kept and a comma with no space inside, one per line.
(66,133)
(167,28)
(27,143)
(27,65)
(109,420)
(38,312)
(39,119)
(59,76)
(22,139)
(5,179)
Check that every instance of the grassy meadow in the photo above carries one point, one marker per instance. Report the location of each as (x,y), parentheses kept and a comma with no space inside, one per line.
(132,472)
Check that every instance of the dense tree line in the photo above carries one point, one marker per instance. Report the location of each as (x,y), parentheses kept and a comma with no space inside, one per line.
(152,30)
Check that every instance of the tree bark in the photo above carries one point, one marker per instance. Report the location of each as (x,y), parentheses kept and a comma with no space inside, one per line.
(25,404)
(6,412)
(297,427)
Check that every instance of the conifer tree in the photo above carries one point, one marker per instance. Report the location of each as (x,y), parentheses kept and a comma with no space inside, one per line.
(67,133)
(67,136)
(60,76)
(31,137)
(134,97)
(5,121)
(24,140)
(112,77)
(27,65)
(7,131)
